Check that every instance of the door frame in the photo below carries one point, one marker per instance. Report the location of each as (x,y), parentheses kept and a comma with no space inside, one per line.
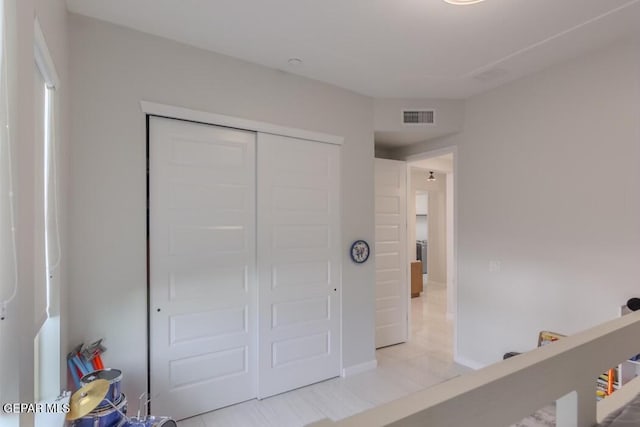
(152,109)
(186,114)
(452,264)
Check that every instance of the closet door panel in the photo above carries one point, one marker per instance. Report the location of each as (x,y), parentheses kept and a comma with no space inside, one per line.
(298,263)
(203,297)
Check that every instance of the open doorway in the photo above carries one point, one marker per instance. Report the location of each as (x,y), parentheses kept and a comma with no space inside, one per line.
(416,337)
(431,231)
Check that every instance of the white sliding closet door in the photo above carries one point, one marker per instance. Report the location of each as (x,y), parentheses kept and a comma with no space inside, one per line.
(392,292)
(203,297)
(299,253)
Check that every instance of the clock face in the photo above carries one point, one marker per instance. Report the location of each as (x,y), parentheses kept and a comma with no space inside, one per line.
(360,251)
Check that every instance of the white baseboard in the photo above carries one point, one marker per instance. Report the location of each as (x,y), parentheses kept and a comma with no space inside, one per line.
(472,364)
(358,369)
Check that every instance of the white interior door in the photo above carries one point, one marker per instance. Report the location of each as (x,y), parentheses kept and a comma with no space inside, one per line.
(299,256)
(392,291)
(203,297)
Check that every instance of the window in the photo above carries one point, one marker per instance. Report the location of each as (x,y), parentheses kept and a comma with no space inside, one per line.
(47,257)
(41,291)
(8,253)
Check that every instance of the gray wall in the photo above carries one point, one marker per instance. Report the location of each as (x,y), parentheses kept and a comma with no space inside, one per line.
(113,69)
(549,186)
(16,370)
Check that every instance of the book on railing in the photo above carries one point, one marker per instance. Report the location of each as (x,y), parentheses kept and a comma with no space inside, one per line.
(547,337)
(606,384)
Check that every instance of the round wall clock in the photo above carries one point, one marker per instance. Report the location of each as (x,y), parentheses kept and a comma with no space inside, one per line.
(359,251)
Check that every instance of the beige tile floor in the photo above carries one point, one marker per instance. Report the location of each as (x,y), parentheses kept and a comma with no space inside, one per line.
(425,360)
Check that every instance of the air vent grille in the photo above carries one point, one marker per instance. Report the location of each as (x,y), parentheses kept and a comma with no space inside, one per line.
(418,117)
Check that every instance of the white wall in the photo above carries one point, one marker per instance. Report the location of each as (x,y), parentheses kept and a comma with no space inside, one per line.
(422,203)
(422,210)
(17,374)
(422,229)
(549,185)
(113,69)
(450,231)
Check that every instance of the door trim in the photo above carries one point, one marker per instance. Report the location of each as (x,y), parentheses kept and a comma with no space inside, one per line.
(151,109)
(181,113)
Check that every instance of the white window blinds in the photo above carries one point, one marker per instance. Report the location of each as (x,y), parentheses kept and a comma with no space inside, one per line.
(8,254)
(47,243)
(52,227)
(39,262)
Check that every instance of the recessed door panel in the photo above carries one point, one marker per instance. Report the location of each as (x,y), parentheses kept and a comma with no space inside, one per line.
(391,256)
(298,263)
(202,264)
(309,273)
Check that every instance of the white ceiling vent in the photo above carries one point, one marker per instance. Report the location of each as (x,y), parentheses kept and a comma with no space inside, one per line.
(418,117)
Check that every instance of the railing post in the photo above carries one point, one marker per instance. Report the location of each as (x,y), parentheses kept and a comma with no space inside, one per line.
(578,408)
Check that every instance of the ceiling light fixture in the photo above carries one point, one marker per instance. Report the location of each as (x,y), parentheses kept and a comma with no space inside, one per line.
(463,2)
(294,62)
(431,176)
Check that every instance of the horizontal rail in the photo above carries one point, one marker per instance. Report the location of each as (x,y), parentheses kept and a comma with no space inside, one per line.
(618,399)
(508,391)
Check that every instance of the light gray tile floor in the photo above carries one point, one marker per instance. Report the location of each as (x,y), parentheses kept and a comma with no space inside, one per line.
(402,369)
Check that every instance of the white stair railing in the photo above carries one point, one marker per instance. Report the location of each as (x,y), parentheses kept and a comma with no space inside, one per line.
(506,392)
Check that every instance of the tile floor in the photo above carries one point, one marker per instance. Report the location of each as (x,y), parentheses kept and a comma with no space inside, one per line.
(422,362)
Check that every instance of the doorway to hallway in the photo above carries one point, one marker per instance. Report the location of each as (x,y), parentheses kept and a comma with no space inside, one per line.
(415,252)
(431,231)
